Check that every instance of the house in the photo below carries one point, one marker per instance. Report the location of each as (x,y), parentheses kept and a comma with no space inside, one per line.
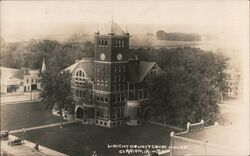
(233,82)
(20,80)
(11,80)
(111,87)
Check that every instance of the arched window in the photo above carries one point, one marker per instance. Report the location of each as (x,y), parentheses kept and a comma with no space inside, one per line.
(80,78)
(154,72)
(106,43)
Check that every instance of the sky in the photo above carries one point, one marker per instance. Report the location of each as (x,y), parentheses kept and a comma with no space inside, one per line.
(22,16)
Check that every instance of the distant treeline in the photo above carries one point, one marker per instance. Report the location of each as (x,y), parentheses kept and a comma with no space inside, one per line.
(177,36)
(30,53)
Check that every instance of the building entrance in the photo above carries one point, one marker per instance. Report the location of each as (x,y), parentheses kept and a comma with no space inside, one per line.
(79,113)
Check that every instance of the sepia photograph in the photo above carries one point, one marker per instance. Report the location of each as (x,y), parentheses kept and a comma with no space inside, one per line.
(124,78)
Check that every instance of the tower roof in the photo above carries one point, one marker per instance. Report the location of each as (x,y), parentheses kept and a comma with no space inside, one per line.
(112,28)
(43,66)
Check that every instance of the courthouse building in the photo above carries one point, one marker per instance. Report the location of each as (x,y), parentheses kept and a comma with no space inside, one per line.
(110,89)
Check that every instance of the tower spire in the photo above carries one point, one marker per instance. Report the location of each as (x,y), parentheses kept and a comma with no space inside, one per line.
(43,66)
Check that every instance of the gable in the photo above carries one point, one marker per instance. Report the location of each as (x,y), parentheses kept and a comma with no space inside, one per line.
(85,66)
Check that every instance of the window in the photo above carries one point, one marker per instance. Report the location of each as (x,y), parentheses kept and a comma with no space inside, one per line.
(106,87)
(122,112)
(102,78)
(84,112)
(98,77)
(118,98)
(138,112)
(83,94)
(106,99)
(154,72)
(118,113)
(145,94)
(77,93)
(106,78)
(140,94)
(97,98)
(79,77)
(113,113)
(122,87)
(97,113)
(119,78)
(123,77)
(124,68)
(31,80)
(102,87)
(101,112)
(27,81)
(114,98)
(122,97)
(114,68)
(119,67)
(114,78)
(107,69)
(114,88)
(118,87)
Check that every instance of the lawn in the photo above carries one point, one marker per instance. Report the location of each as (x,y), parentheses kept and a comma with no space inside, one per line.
(78,139)
(25,115)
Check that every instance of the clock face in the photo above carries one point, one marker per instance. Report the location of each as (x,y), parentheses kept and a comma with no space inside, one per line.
(102,56)
(119,57)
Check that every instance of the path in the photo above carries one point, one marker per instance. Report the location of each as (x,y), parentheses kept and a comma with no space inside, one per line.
(41,127)
(18,97)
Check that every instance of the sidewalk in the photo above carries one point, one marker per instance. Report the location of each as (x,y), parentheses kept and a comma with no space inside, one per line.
(27,149)
(18,98)
(41,127)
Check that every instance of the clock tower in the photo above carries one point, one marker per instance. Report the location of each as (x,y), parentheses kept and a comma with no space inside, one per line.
(110,74)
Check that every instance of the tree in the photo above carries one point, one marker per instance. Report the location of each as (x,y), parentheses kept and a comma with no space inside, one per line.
(56,91)
(189,85)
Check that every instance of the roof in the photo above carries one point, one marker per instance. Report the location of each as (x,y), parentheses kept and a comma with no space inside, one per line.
(86,64)
(139,69)
(112,27)
(8,72)
(14,76)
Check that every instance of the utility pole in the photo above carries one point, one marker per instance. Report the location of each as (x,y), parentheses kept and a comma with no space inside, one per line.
(23,134)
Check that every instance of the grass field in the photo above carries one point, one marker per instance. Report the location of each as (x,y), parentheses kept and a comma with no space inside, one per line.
(77,139)
(25,115)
